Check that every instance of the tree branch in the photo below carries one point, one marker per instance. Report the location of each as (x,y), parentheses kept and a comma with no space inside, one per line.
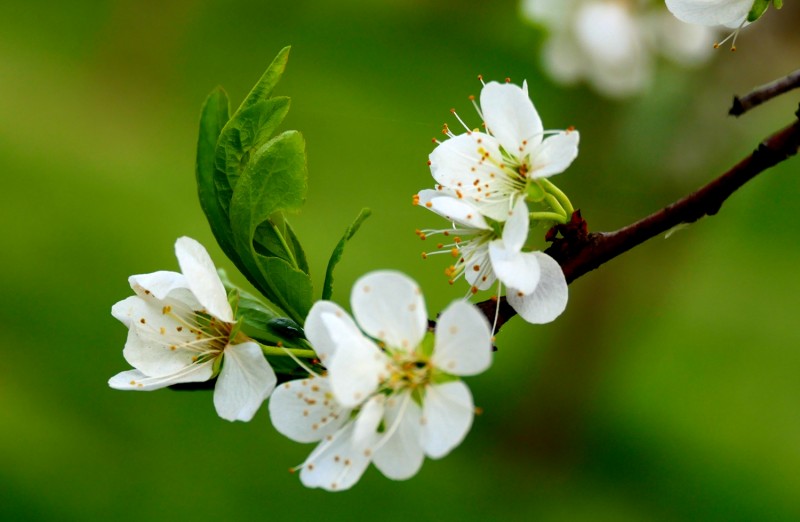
(579,252)
(764,93)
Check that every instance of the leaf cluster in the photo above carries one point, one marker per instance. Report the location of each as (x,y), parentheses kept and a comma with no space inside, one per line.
(249,176)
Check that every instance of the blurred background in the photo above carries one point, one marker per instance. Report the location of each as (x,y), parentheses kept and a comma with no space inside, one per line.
(668,390)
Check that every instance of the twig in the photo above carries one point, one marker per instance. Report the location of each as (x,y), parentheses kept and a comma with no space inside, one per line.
(764,93)
(579,252)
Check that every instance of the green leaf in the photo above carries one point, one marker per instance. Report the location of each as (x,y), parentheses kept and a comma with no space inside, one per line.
(213,118)
(336,255)
(777,3)
(275,238)
(274,180)
(249,129)
(759,6)
(299,254)
(268,80)
(292,285)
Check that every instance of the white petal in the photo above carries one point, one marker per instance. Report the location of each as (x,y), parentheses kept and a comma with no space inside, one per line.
(337,463)
(510,116)
(245,381)
(710,12)
(554,154)
(514,268)
(368,420)
(446,417)
(463,340)
(160,285)
(459,212)
(389,306)
(318,333)
(305,411)
(136,380)
(550,297)
(515,231)
(357,366)
(399,454)
(201,275)
(158,344)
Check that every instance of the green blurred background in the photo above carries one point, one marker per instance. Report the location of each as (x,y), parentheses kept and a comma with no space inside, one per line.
(667,391)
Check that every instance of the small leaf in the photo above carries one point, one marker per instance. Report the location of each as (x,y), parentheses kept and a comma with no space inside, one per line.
(299,254)
(268,80)
(213,117)
(293,286)
(336,255)
(249,129)
(274,180)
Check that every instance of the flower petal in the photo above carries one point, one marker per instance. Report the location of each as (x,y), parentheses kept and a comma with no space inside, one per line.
(554,154)
(357,366)
(318,333)
(710,12)
(459,212)
(245,381)
(163,284)
(514,268)
(510,116)
(337,462)
(399,454)
(158,343)
(136,380)
(446,417)
(550,297)
(389,306)
(515,231)
(463,344)
(305,411)
(202,278)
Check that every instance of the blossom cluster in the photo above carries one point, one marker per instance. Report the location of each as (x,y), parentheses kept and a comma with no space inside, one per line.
(613,45)
(383,388)
(485,181)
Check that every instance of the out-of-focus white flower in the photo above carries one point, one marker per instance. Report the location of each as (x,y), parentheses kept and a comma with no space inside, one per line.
(612,43)
(391,395)
(182,329)
(493,169)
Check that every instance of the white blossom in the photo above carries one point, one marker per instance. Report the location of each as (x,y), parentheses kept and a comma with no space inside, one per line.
(536,286)
(391,395)
(612,44)
(492,169)
(182,329)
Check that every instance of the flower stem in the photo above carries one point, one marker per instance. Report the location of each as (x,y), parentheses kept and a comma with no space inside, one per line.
(549,216)
(280,351)
(560,196)
(553,202)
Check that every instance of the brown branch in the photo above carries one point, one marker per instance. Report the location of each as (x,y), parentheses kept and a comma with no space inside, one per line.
(579,252)
(764,93)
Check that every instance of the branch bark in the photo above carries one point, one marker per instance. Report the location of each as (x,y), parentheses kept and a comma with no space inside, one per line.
(764,93)
(579,252)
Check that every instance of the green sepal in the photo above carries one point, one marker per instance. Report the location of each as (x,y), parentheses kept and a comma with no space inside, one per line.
(440,377)
(759,6)
(336,255)
(535,192)
(426,346)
